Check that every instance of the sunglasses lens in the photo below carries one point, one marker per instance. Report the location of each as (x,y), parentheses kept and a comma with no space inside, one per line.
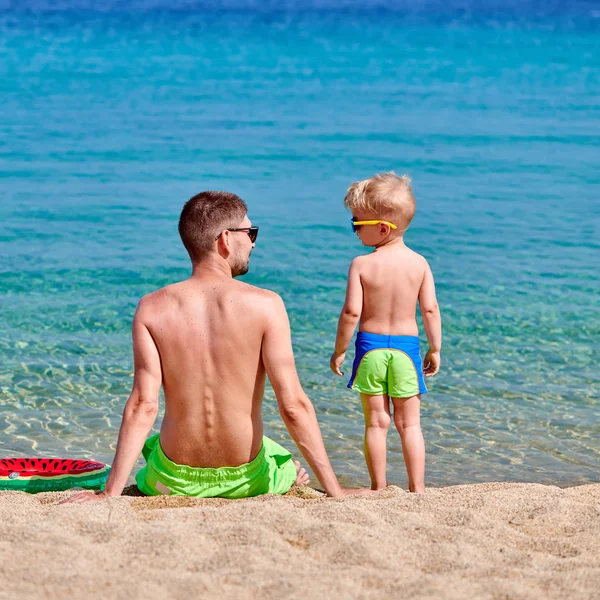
(253,233)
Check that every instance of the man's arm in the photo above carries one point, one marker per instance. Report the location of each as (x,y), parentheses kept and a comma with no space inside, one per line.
(295,408)
(140,410)
(432,321)
(349,318)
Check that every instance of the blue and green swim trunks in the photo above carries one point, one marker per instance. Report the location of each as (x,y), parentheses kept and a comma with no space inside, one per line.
(387,364)
(272,471)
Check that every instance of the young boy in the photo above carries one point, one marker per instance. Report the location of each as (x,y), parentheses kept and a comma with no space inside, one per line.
(383,289)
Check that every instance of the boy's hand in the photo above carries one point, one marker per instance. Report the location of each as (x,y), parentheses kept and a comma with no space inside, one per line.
(431,364)
(335,362)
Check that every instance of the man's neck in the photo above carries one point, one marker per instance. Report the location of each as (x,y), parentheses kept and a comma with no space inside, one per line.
(212,266)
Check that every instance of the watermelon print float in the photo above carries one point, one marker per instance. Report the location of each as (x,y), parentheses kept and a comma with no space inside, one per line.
(51,474)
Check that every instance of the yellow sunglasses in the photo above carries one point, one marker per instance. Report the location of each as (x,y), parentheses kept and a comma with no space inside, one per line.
(357,224)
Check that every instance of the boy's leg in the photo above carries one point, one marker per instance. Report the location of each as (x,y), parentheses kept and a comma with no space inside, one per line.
(377,422)
(407,419)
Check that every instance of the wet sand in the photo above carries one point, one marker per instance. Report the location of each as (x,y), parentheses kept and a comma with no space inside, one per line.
(494,540)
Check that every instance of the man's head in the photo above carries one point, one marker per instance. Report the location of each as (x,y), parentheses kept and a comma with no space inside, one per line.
(216,222)
(386,198)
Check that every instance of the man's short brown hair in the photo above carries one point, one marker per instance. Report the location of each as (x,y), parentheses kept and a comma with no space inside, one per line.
(204,216)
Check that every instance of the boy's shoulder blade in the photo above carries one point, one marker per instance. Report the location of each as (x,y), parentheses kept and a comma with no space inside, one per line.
(361,259)
(413,254)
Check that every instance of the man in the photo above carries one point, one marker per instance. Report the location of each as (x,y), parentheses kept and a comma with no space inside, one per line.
(210,341)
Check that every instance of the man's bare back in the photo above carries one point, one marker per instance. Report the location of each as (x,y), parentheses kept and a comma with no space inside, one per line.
(209,331)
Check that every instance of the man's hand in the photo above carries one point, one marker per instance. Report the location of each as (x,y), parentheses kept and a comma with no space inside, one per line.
(85,497)
(431,364)
(335,362)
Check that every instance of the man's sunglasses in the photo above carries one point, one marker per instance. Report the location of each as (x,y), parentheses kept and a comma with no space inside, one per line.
(251,231)
(357,224)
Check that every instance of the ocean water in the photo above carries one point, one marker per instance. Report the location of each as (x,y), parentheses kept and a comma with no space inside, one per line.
(112,118)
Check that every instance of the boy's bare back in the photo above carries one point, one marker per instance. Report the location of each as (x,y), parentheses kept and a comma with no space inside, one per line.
(392,279)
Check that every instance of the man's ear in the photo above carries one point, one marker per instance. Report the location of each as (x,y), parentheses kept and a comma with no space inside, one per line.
(223,244)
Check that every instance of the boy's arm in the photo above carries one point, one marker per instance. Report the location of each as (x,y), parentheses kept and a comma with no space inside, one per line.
(139,414)
(432,322)
(349,317)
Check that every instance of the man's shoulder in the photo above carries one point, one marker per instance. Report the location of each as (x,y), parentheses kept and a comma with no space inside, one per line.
(242,296)
(255,294)
(156,300)
(158,295)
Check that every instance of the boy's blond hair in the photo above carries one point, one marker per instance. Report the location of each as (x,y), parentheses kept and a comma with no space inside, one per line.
(384,195)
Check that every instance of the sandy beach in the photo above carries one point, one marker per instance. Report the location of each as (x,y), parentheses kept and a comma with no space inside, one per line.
(492,540)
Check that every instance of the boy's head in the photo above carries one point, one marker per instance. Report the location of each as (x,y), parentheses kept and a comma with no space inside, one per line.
(384,197)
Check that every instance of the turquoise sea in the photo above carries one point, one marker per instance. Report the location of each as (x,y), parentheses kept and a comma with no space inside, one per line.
(112,118)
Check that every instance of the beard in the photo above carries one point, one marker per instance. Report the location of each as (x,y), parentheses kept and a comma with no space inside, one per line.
(240,265)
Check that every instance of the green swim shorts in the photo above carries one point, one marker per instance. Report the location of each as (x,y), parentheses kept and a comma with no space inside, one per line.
(387,364)
(272,471)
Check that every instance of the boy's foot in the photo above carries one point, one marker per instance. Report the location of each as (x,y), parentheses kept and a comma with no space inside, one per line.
(302,477)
